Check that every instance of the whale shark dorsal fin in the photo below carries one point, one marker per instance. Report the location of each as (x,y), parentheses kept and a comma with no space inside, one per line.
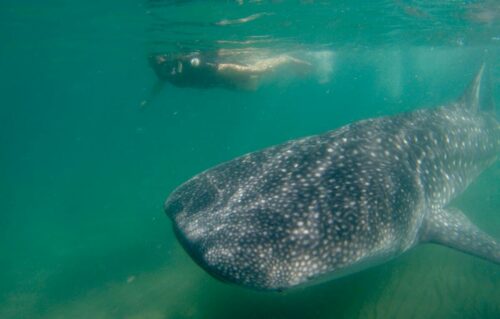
(472,95)
(453,229)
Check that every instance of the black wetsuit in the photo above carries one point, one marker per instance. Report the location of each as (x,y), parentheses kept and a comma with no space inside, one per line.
(190,70)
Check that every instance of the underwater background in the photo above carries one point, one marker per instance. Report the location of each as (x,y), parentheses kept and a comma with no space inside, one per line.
(86,163)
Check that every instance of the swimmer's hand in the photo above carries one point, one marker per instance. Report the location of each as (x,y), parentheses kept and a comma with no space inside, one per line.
(155,91)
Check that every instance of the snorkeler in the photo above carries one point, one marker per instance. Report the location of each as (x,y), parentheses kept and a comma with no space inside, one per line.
(205,70)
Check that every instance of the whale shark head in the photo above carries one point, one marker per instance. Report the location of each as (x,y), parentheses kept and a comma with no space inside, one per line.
(234,243)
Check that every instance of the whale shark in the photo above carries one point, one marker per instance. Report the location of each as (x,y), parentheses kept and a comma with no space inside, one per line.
(324,206)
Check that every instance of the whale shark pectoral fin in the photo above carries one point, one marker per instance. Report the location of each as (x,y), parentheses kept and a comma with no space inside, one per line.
(452,228)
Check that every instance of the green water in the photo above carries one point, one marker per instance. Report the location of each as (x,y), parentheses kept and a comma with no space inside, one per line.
(84,170)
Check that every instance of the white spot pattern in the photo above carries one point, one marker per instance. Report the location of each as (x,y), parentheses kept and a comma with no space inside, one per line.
(320,205)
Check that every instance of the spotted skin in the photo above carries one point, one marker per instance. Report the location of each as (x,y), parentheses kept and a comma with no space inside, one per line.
(325,206)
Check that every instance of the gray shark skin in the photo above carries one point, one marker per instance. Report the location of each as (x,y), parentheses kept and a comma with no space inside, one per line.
(325,206)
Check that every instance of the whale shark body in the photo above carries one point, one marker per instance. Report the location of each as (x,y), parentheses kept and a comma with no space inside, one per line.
(325,206)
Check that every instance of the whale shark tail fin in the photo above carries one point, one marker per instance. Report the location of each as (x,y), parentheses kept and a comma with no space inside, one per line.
(479,95)
(453,229)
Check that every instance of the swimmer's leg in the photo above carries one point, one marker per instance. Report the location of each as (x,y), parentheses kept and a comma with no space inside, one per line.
(284,63)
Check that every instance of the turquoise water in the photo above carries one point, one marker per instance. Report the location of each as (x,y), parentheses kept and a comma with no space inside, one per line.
(85,169)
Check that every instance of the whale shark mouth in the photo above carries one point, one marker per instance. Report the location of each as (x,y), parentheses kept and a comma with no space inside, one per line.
(196,253)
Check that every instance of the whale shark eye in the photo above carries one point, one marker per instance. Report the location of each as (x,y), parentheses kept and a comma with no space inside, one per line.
(173,208)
